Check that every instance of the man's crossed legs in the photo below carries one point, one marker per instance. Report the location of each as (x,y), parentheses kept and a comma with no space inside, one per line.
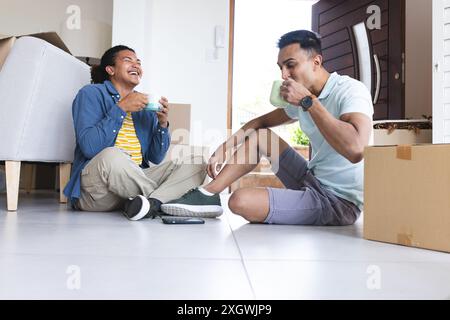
(304,202)
(112,181)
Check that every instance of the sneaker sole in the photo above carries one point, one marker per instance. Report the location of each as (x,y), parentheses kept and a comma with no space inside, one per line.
(139,204)
(184,210)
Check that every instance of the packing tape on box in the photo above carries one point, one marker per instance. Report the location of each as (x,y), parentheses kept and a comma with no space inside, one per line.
(404,152)
(404,239)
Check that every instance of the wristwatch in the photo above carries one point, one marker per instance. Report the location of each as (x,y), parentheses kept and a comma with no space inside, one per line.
(307,102)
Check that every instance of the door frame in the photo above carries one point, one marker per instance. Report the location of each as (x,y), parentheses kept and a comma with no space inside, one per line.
(230,68)
(396,62)
(438,72)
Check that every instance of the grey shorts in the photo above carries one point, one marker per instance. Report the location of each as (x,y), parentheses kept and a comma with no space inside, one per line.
(306,201)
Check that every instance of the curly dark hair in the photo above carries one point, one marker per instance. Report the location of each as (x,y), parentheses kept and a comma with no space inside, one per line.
(98,72)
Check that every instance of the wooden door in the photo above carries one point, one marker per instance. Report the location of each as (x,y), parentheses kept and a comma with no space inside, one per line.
(342,24)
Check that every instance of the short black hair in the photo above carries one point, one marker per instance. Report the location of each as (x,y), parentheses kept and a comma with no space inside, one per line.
(308,40)
(98,72)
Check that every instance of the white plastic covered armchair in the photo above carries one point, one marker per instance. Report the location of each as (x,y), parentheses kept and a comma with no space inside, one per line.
(38,83)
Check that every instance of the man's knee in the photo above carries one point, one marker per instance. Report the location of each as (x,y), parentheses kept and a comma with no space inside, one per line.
(114,155)
(238,205)
(112,159)
(111,154)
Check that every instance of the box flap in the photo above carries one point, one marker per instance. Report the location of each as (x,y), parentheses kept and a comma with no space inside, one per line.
(5,47)
(7,42)
(51,37)
(3,36)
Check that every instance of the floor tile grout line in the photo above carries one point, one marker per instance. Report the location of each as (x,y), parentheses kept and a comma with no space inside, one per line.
(345,261)
(84,255)
(242,258)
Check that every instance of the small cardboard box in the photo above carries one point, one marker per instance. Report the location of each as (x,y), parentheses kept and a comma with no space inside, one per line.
(7,42)
(180,123)
(407,195)
(180,130)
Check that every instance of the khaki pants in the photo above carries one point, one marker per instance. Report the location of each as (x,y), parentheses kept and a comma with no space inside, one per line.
(111,177)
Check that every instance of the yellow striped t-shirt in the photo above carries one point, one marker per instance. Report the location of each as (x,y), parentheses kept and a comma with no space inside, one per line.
(128,141)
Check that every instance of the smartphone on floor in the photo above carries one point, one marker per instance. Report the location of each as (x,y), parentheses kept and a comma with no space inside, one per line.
(182,220)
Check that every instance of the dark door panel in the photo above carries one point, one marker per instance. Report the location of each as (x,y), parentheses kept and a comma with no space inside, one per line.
(339,11)
(334,38)
(334,20)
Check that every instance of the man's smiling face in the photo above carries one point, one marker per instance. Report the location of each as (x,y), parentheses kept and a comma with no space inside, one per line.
(127,68)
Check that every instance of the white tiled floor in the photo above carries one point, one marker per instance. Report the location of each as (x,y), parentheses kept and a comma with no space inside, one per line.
(224,259)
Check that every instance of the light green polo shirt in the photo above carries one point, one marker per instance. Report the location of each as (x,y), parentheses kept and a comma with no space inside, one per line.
(340,95)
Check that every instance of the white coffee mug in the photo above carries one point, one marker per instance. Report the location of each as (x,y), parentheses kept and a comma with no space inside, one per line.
(153,103)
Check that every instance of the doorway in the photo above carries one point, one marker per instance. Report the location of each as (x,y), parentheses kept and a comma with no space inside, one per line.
(258,24)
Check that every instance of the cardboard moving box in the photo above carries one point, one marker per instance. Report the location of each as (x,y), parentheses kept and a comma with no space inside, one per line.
(407,195)
(180,130)
(180,123)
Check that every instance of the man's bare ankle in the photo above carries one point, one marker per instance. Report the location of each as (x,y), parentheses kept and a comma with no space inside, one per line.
(211,189)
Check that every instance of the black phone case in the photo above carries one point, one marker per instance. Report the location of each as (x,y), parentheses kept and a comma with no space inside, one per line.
(183,220)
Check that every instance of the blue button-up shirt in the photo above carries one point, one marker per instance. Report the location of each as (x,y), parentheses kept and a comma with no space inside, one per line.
(98,119)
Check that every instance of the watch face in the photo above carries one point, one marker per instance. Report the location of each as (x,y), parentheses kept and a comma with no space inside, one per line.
(306,102)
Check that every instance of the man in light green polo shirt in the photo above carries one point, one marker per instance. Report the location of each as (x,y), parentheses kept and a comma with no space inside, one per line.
(334,111)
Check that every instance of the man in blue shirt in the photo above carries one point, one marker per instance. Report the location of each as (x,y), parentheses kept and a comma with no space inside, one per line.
(116,139)
(334,111)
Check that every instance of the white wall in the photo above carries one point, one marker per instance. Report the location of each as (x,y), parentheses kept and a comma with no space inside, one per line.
(18,17)
(441,74)
(178,41)
(418,43)
(129,24)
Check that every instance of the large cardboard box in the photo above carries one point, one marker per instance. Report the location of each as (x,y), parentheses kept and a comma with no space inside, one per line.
(407,195)
(7,42)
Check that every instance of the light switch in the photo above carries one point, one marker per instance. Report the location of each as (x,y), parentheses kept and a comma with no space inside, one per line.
(219,37)
(212,55)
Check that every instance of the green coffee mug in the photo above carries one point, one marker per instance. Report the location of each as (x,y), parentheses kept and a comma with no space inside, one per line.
(275,98)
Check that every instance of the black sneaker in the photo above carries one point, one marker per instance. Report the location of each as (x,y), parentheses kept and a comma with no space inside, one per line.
(194,204)
(140,208)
